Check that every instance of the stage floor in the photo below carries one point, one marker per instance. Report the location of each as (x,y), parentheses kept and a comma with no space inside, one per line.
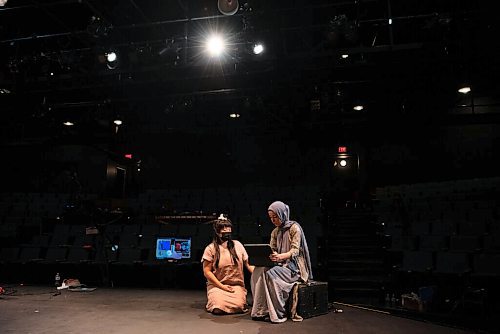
(40,309)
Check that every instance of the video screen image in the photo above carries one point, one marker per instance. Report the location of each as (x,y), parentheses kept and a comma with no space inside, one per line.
(173,248)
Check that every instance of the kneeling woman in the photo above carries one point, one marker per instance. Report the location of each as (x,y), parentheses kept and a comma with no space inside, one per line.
(223,262)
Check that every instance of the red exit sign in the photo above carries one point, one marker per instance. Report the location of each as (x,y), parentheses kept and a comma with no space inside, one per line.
(342,149)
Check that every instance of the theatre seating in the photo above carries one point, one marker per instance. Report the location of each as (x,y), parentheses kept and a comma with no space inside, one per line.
(443,228)
(56,240)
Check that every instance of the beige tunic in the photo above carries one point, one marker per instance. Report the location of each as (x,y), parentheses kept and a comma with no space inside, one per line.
(295,249)
(228,274)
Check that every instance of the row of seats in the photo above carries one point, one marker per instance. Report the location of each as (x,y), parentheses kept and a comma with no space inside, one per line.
(442,228)
(241,204)
(446,190)
(470,244)
(77,244)
(25,214)
(87,254)
(37,204)
(19,203)
(132,235)
(451,263)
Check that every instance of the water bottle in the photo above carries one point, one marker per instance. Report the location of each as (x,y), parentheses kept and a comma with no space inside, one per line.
(57,280)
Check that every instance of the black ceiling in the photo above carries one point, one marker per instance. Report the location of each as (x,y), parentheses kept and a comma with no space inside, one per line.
(52,58)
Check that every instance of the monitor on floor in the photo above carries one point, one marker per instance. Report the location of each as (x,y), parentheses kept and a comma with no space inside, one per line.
(169,248)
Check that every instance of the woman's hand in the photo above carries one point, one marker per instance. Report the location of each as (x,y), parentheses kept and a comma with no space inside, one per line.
(207,271)
(227,288)
(276,257)
(249,267)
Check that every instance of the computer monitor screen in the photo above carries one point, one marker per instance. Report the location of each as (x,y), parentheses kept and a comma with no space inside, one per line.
(173,248)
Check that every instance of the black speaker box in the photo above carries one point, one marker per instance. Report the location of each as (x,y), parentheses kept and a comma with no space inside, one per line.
(312,299)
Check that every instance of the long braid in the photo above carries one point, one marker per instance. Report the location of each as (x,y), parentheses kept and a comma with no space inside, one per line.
(232,251)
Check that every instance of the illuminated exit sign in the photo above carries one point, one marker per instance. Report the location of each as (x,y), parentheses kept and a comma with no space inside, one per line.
(342,149)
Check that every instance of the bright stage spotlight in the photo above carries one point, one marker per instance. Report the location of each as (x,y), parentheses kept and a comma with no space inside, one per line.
(111,60)
(464,90)
(258,48)
(215,46)
(111,57)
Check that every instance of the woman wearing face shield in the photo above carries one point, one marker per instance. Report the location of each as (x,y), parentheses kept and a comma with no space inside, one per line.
(223,261)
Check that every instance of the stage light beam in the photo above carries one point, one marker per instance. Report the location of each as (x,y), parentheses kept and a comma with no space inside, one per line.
(464,90)
(215,46)
(111,57)
(258,48)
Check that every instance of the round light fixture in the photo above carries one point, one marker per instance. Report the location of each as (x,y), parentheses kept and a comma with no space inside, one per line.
(215,46)
(258,48)
(464,90)
(111,57)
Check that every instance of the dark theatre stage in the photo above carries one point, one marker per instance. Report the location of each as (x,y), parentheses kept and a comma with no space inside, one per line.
(128,126)
(37,310)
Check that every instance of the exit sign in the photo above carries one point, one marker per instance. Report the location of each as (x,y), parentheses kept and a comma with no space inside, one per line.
(342,149)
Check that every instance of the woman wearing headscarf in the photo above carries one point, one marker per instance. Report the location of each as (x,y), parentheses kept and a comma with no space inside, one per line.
(272,287)
(223,261)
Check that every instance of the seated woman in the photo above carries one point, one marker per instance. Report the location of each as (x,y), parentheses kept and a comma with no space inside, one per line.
(223,262)
(271,287)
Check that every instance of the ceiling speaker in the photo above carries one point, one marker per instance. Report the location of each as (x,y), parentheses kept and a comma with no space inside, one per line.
(228,7)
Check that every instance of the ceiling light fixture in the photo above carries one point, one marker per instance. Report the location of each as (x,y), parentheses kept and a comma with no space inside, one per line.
(111,57)
(258,48)
(112,60)
(464,90)
(215,45)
